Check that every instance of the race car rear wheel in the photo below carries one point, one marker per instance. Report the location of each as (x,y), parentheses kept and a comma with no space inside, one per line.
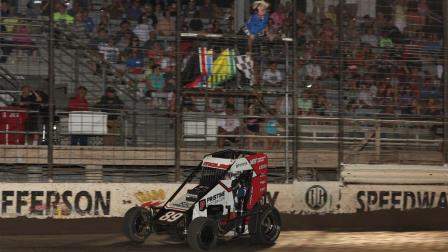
(202,234)
(137,224)
(266,226)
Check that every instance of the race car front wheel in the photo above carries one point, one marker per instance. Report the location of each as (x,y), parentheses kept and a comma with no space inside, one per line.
(202,234)
(265,227)
(137,224)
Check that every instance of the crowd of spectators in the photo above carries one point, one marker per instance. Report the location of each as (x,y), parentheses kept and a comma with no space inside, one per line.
(391,61)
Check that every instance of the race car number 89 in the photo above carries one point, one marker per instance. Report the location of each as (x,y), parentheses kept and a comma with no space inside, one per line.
(170,216)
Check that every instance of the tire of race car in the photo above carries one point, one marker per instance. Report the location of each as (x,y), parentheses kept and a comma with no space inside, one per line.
(202,234)
(265,227)
(136,224)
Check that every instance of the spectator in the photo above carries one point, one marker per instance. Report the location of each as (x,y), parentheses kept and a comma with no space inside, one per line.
(215,27)
(155,53)
(111,104)
(196,24)
(272,77)
(257,23)
(116,9)
(209,10)
(305,104)
(279,18)
(135,62)
(22,38)
(190,10)
(321,106)
(170,87)
(414,17)
(385,41)
(228,125)
(61,17)
(5,48)
(365,98)
(89,23)
(428,91)
(156,80)
(84,4)
(30,100)
(415,107)
(79,28)
(110,53)
(188,103)
(4,9)
(400,15)
(100,38)
(168,59)
(272,129)
(10,21)
(104,21)
(143,29)
(134,12)
(370,38)
(331,14)
(124,32)
(165,26)
(432,108)
(79,103)
(313,70)
(44,8)
(423,8)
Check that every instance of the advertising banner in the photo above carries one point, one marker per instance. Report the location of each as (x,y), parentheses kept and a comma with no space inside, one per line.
(93,200)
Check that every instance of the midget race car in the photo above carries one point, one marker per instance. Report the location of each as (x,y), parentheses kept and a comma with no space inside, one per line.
(228,202)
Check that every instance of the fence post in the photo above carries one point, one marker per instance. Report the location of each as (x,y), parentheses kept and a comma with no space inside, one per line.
(296,128)
(76,72)
(287,115)
(103,76)
(340,90)
(445,82)
(378,141)
(178,122)
(50,91)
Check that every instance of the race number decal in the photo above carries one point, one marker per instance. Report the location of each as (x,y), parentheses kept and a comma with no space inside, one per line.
(171,216)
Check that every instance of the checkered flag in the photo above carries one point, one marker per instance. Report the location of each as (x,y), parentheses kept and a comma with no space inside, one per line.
(245,64)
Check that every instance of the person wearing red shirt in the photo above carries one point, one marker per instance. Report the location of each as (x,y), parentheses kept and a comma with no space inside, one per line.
(79,103)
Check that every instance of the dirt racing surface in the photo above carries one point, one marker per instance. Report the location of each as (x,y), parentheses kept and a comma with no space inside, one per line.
(419,231)
(314,241)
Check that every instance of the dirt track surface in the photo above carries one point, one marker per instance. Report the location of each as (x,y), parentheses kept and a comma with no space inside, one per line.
(315,241)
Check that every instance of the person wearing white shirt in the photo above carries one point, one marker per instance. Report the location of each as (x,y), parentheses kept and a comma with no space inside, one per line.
(313,70)
(272,76)
(143,29)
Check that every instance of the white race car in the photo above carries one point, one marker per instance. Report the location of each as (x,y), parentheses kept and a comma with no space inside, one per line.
(229,202)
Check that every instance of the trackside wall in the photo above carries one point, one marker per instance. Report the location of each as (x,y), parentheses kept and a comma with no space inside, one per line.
(87,200)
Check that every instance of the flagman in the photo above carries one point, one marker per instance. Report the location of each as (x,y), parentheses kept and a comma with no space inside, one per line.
(257,23)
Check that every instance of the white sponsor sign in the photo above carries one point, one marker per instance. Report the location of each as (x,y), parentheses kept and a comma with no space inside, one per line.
(88,200)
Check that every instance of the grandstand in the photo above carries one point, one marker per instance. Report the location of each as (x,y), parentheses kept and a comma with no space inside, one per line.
(331,82)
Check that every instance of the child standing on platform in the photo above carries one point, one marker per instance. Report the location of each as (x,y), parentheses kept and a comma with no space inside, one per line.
(257,23)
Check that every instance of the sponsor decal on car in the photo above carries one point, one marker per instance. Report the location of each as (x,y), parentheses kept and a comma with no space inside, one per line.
(215,198)
(257,160)
(202,205)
